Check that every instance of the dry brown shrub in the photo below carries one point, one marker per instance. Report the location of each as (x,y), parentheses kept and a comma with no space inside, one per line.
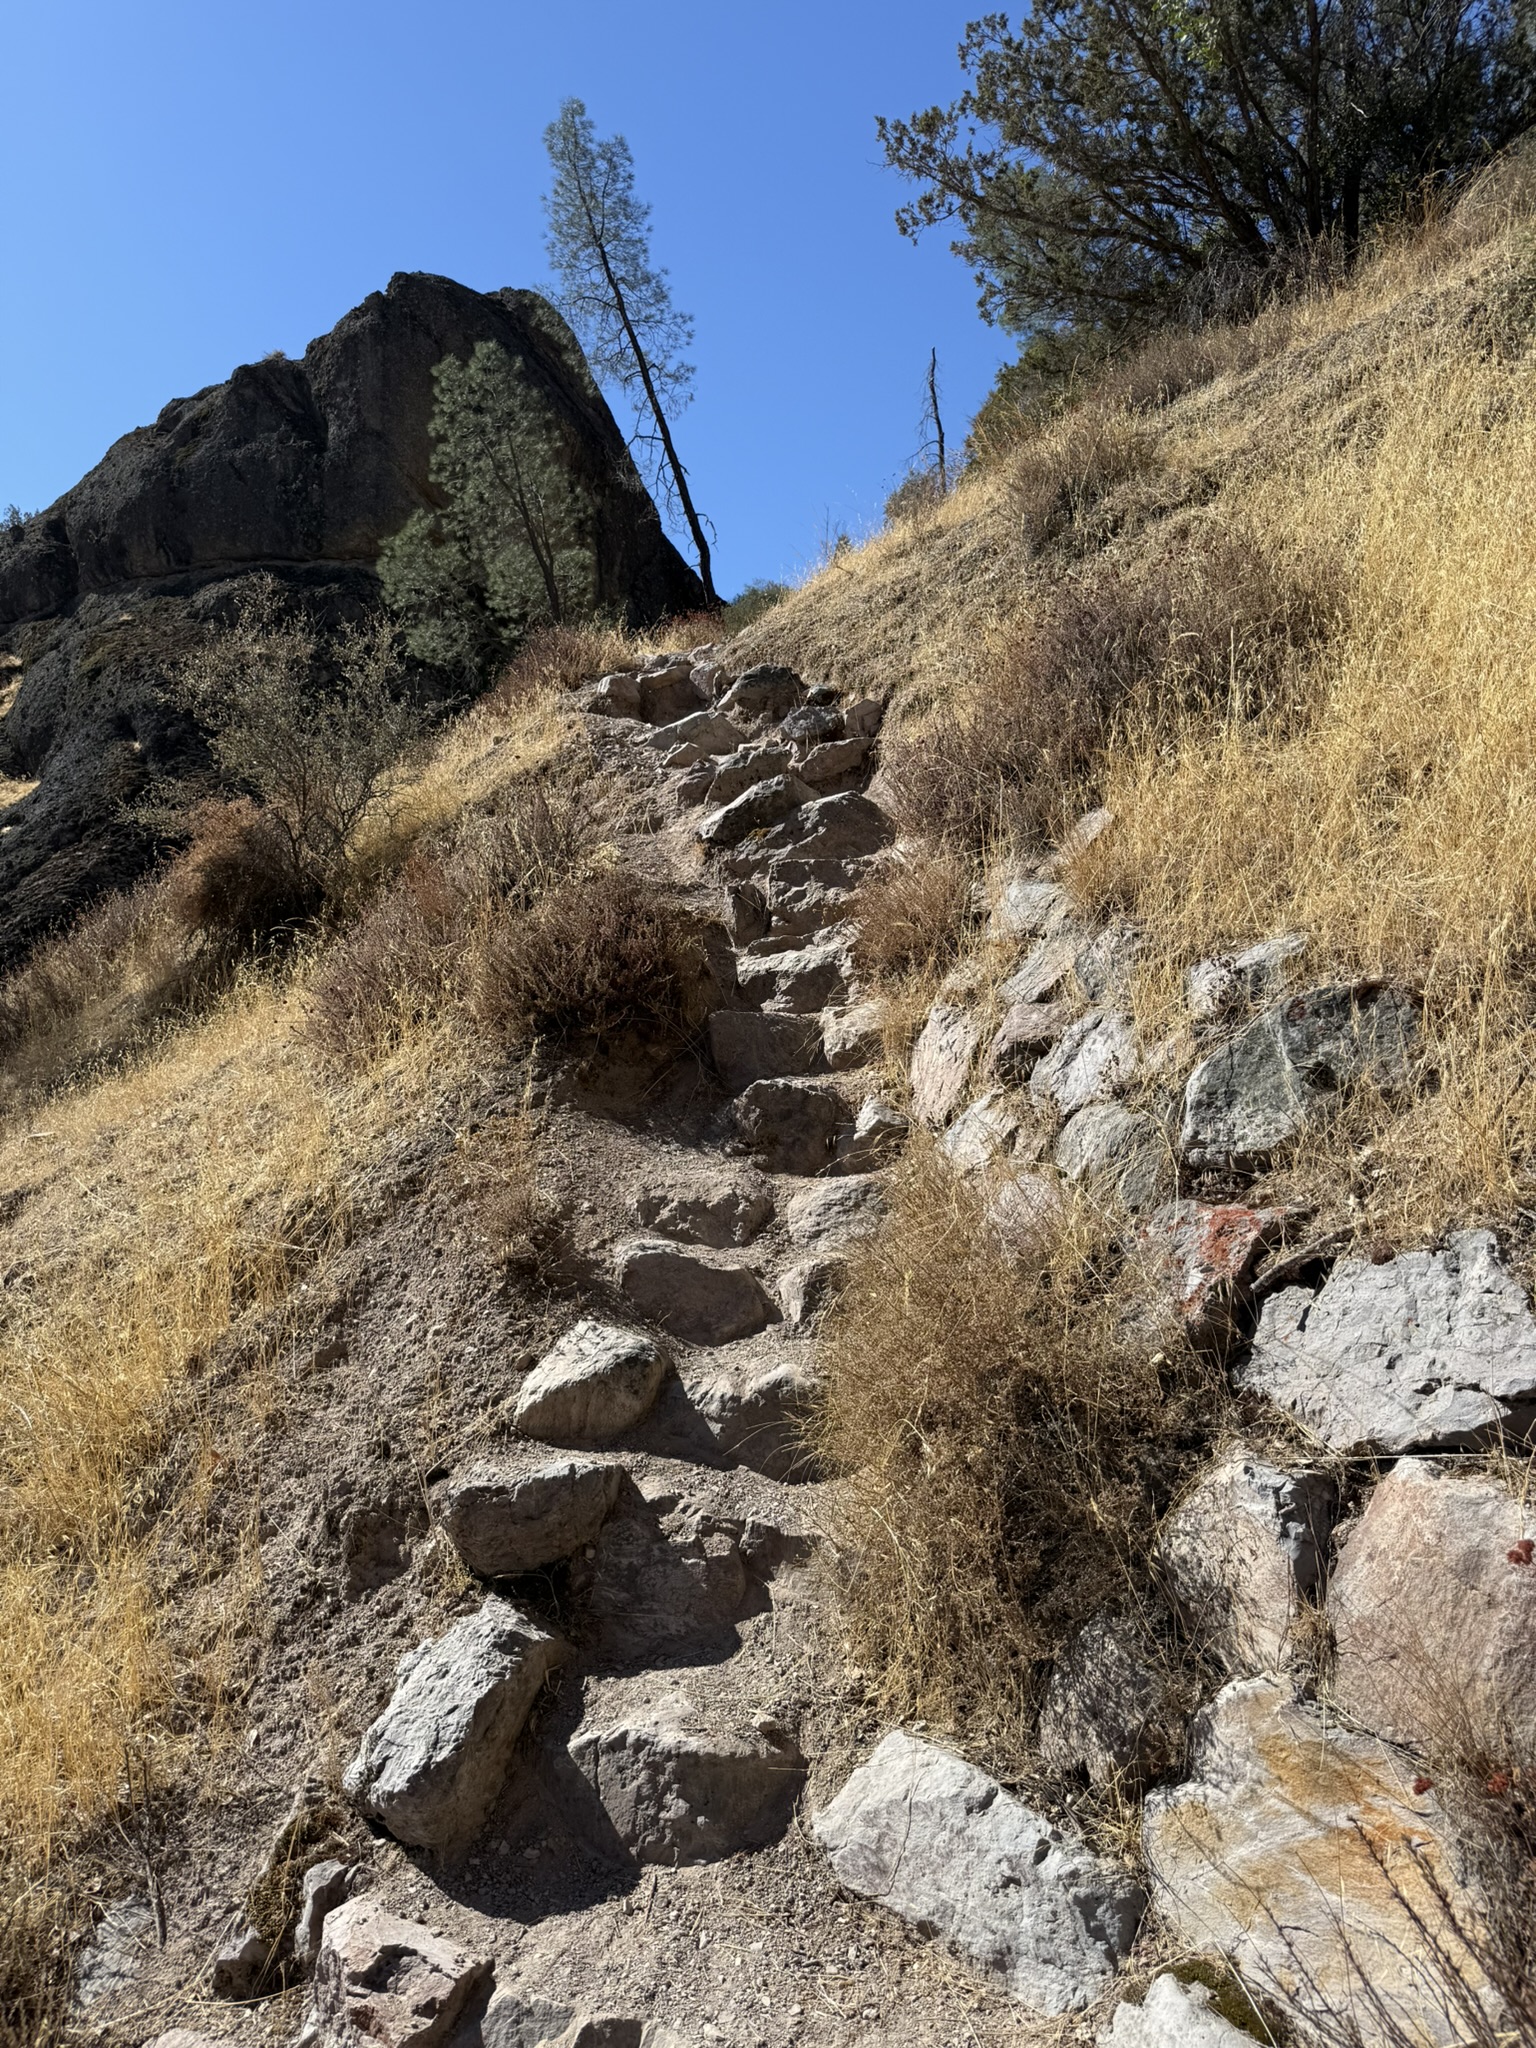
(910,917)
(1009,1446)
(1056,477)
(558,658)
(237,881)
(1217,625)
(596,954)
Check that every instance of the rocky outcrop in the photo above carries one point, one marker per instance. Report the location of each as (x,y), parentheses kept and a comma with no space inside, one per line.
(300,468)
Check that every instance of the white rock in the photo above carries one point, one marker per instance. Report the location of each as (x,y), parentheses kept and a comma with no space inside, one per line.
(1171,2015)
(1300,1853)
(878,1137)
(941,1064)
(1022,909)
(1047,973)
(1433,1607)
(1240,1553)
(1431,1350)
(385,1982)
(934,1839)
(433,1761)
(325,1888)
(1091,1062)
(597,1382)
(983,1134)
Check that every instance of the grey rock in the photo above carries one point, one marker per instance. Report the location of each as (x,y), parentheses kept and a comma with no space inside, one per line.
(808,1287)
(433,1761)
(240,1964)
(504,1522)
(185,2037)
(1213,988)
(790,1125)
(1123,1155)
(745,769)
(596,1383)
(385,1982)
(120,1944)
(877,1139)
(1433,1606)
(854,1037)
(941,1064)
(1103,966)
(760,1417)
(1020,908)
(1048,972)
(679,1791)
(864,718)
(1110,1709)
(1027,1031)
(1091,826)
(662,1589)
(835,1212)
(713,1214)
(1023,1210)
(1290,1069)
(325,1888)
(1094,1059)
(937,1841)
(1297,1851)
(1201,1261)
(1240,1553)
(845,827)
(710,731)
(799,981)
(519,2019)
(810,724)
(800,909)
(983,1134)
(1171,2015)
(749,1045)
(834,761)
(687,1297)
(764,692)
(1430,1350)
(748,913)
(764,804)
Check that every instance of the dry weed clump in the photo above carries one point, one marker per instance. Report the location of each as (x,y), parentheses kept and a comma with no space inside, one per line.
(554,659)
(1009,1443)
(598,954)
(911,915)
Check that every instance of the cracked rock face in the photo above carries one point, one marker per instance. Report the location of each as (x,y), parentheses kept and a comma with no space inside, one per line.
(437,1756)
(1291,1068)
(936,1840)
(1431,1350)
(385,1982)
(1298,1851)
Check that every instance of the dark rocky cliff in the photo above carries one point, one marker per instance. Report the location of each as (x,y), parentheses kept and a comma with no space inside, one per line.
(301,468)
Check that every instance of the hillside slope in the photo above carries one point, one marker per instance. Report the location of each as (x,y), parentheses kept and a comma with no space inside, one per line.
(1040,1078)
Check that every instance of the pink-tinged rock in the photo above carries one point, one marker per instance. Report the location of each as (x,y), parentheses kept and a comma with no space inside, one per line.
(388,1982)
(1434,1613)
(1203,1261)
(941,1064)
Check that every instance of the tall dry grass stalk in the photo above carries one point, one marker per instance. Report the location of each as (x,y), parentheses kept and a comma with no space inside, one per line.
(1008,1440)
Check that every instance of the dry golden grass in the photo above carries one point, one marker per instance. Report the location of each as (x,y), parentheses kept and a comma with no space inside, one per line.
(1008,1443)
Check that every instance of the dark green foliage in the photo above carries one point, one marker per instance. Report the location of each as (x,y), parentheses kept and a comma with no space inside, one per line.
(512,545)
(1112,160)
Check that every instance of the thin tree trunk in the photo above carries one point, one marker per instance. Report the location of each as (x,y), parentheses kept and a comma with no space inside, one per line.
(938,423)
(653,399)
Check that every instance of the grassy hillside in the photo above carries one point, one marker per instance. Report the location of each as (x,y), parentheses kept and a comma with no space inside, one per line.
(1268,593)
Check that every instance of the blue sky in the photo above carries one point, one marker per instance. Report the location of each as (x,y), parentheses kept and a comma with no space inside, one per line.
(188,186)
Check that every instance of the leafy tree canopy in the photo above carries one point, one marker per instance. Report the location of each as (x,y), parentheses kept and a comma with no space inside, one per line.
(1110,160)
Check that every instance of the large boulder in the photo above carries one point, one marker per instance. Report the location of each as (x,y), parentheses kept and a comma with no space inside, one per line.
(505,1522)
(934,1839)
(596,1383)
(678,1790)
(1290,1069)
(1431,1350)
(1241,1552)
(385,1982)
(1434,1613)
(300,468)
(434,1760)
(1121,1155)
(1298,1852)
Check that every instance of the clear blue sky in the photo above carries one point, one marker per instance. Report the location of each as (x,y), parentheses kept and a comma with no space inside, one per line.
(189,184)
